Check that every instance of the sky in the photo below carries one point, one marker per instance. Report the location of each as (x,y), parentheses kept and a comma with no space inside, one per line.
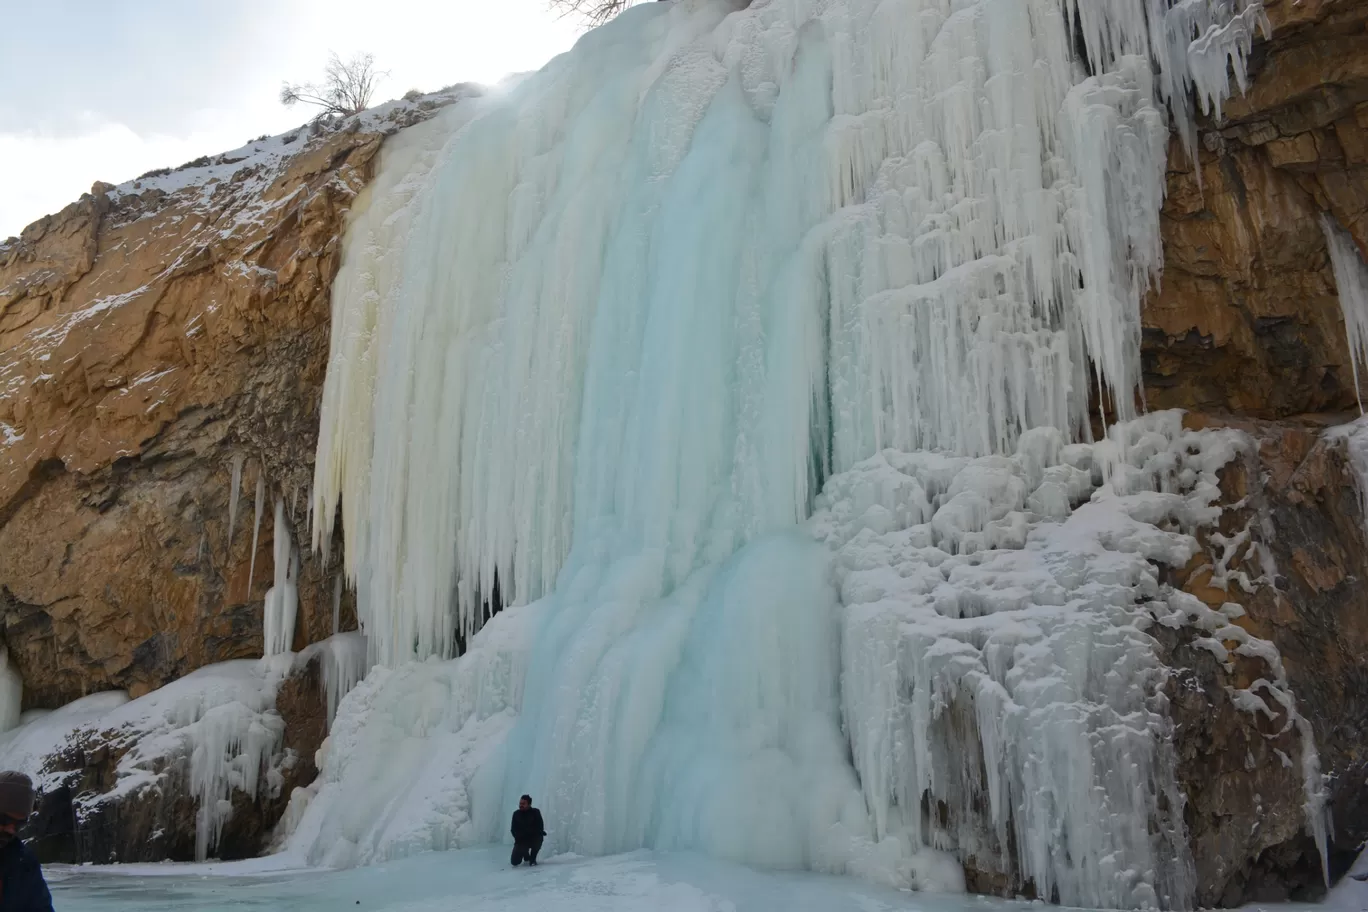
(109,89)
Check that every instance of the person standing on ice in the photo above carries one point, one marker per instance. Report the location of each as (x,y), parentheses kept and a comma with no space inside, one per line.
(22,888)
(528,831)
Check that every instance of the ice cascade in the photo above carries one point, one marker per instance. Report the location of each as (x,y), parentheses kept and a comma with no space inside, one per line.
(1351,281)
(602,336)
(282,599)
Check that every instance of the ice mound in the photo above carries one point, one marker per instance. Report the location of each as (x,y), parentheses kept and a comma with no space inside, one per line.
(1000,688)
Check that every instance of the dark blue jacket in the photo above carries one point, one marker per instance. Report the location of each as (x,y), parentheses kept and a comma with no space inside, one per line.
(22,888)
(527,828)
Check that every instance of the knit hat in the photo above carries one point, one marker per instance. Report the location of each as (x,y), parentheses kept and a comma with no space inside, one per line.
(16,794)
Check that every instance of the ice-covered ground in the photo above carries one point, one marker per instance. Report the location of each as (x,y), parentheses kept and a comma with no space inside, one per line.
(479,879)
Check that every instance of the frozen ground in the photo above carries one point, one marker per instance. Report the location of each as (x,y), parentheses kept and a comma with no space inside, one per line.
(479,879)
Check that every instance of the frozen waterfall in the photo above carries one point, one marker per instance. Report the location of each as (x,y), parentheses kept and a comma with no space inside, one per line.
(601,338)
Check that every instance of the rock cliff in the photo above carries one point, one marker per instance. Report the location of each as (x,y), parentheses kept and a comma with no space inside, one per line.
(1247,319)
(161,337)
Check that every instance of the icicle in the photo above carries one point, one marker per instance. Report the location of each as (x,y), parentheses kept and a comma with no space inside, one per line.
(234,489)
(256,525)
(337,604)
(1351,279)
(282,599)
(11,692)
(344,665)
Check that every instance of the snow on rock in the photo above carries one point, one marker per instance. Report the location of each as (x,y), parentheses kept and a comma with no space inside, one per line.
(1001,689)
(43,732)
(1355,437)
(221,719)
(212,734)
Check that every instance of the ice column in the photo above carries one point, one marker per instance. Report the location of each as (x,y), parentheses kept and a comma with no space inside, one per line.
(234,489)
(1351,279)
(11,692)
(282,599)
(260,505)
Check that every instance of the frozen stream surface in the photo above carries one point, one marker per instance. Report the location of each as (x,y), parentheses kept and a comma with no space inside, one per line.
(479,879)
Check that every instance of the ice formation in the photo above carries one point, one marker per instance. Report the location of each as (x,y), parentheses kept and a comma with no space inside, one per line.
(259,505)
(997,661)
(599,340)
(1351,281)
(234,489)
(11,692)
(282,599)
(217,728)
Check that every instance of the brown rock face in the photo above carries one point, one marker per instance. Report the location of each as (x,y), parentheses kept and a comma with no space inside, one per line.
(1246,318)
(1292,540)
(155,336)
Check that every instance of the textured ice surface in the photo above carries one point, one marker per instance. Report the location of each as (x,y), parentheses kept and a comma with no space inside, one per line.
(1001,691)
(994,664)
(481,880)
(704,259)
(600,339)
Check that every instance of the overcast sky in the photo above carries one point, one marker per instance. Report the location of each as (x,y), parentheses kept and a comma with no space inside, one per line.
(108,89)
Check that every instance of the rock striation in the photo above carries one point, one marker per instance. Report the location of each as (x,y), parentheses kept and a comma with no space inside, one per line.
(1246,318)
(161,338)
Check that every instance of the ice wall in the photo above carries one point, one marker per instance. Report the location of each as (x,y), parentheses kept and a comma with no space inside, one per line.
(600,338)
(996,660)
(281,605)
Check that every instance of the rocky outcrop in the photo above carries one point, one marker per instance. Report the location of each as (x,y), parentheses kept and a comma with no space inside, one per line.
(157,335)
(1246,318)
(1290,550)
(132,792)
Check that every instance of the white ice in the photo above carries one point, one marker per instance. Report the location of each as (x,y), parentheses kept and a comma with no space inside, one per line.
(234,489)
(217,727)
(281,605)
(258,505)
(481,880)
(1351,281)
(601,337)
(11,692)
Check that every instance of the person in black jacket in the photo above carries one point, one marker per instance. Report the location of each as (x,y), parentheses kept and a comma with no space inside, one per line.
(22,888)
(528,831)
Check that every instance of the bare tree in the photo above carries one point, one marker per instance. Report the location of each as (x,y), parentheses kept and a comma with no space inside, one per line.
(347,86)
(596,12)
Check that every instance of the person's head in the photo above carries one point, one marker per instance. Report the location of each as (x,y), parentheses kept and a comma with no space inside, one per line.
(524,802)
(16,803)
